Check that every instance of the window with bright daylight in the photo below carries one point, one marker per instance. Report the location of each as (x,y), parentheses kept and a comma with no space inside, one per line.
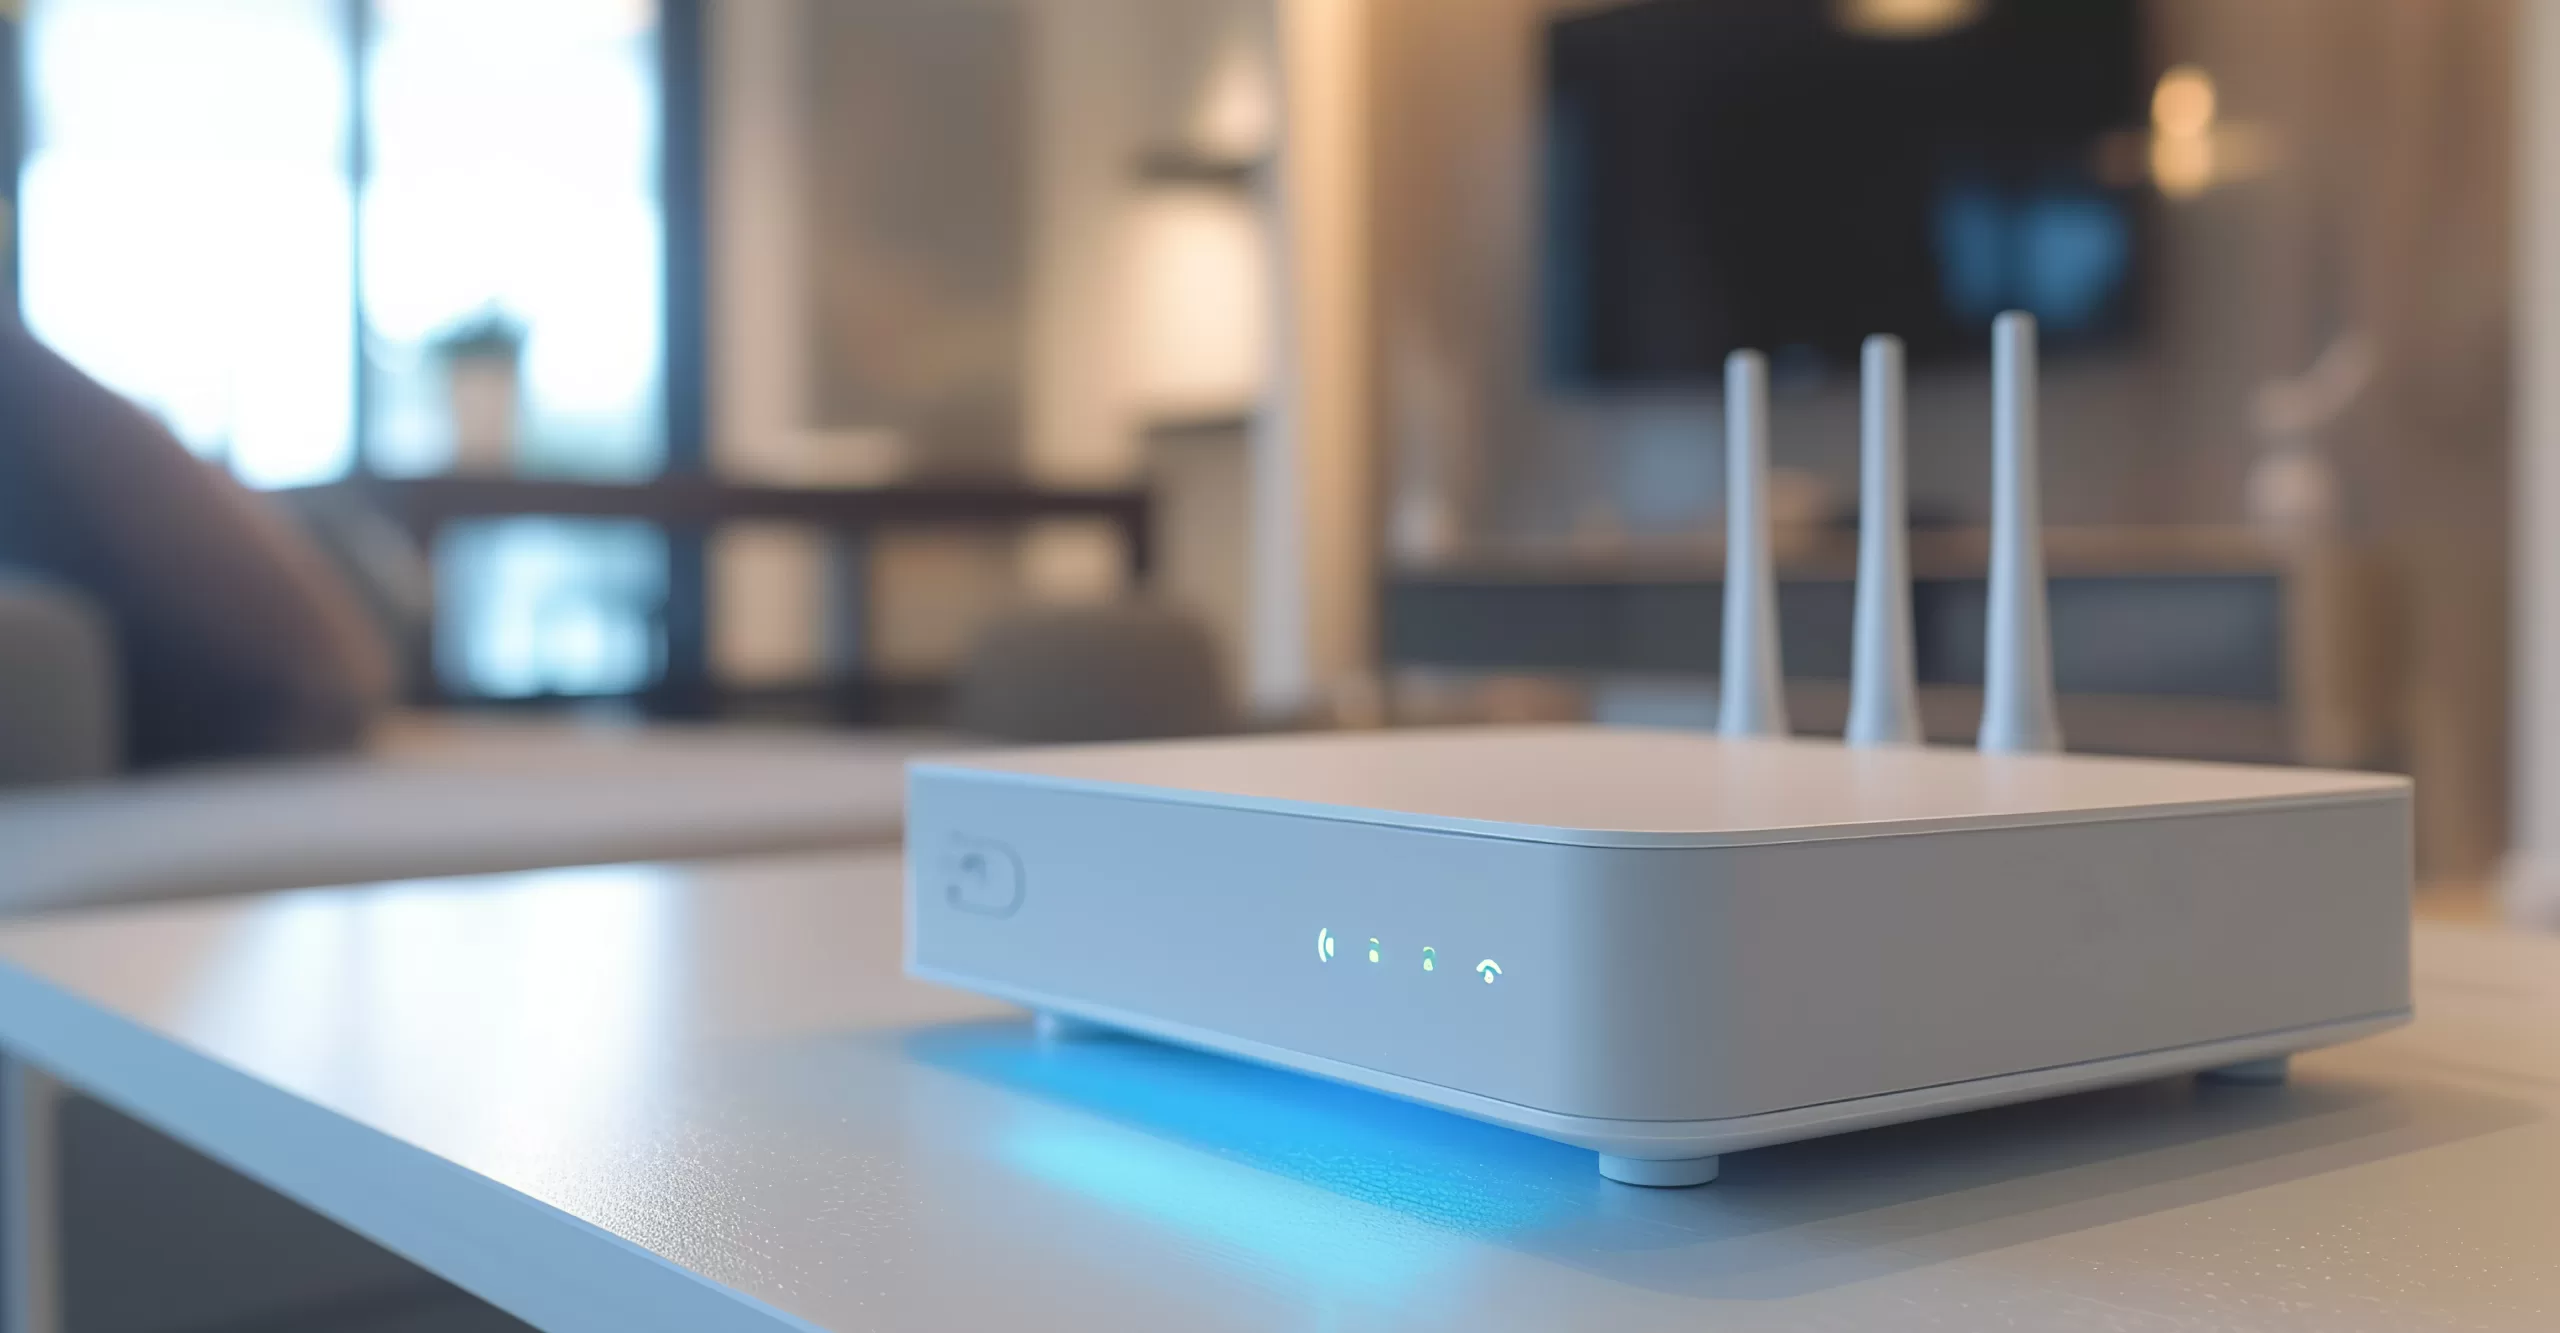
(403,248)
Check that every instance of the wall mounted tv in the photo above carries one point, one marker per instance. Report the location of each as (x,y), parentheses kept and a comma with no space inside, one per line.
(1780,174)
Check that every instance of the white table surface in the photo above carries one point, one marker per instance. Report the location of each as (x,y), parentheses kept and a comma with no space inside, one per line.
(702,1098)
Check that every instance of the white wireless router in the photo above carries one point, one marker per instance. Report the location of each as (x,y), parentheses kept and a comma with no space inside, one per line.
(1663,946)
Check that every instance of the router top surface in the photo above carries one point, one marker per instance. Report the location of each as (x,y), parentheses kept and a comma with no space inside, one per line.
(1599,786)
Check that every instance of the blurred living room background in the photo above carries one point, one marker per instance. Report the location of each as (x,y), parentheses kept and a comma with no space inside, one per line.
(830,370)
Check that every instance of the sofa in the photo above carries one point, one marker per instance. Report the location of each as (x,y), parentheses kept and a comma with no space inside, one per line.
(428,795)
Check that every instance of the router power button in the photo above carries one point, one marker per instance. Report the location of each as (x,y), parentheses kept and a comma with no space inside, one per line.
(981,875)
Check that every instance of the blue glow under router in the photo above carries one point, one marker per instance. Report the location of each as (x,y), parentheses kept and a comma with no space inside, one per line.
(1663,946)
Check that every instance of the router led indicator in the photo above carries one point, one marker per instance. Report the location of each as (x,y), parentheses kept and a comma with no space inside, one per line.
(1488,969)
(1430,959)
(1324,946)
(1373,950)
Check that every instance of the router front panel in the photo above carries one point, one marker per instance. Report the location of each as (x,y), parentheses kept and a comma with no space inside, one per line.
(1659,983)
(1223,919)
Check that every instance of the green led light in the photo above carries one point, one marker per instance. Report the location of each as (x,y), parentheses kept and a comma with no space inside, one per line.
(1430,958)
(1373,950)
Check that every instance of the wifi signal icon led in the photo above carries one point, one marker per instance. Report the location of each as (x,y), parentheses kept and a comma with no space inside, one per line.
(1324,946)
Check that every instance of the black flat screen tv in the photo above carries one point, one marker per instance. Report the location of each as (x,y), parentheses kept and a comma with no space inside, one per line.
(1767,173)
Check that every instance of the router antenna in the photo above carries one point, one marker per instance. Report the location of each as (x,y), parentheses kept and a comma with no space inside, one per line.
(2017,662)
(1754,702)
(1884,702)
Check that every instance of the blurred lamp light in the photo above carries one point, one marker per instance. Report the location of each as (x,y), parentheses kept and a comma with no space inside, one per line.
(2182,165)
(2183,103)
(1905,20)
(1200,305)
(1237,115)
(2192,149)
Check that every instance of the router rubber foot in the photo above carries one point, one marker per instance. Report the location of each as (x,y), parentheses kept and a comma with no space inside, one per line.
(1677,1173)
(1058,1027)
(2252,1073)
